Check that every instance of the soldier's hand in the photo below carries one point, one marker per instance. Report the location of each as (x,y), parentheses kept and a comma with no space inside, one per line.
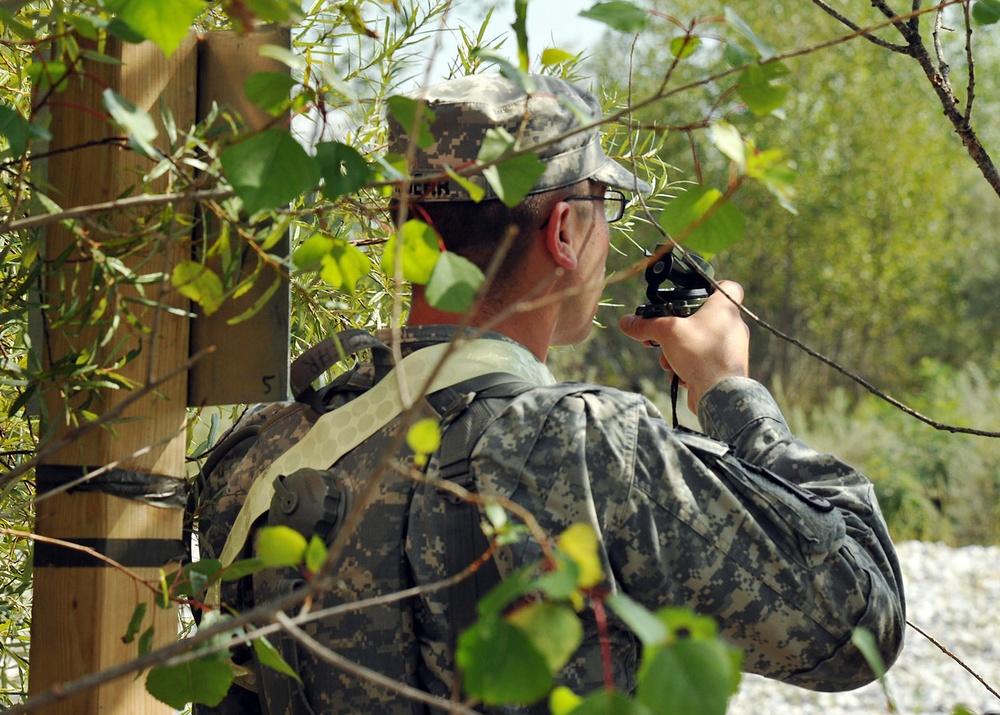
(704,348)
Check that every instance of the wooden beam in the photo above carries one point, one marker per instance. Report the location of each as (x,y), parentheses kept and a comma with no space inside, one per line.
(80,613)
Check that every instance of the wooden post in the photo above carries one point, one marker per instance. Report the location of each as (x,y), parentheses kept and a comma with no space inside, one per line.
(81,610)
(259,345)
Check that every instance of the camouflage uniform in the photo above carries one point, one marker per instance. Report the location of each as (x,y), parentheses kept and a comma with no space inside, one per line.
(785,547)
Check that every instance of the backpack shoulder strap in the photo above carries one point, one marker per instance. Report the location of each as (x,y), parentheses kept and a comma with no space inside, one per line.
(466,410)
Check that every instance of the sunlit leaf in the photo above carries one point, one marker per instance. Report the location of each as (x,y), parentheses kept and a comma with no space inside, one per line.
(580,542)
(424,436)
(269,170)
(763,87)
(500,664)
(454,283)
(555,56)
(413,114)
(729,141)
(316,553)
(199,283)
(684,46)
(165,23)
(618,15)
(268,655)
(241,568)
(311,251)
(205,680)
(563,701)
(344,170)
(269,90)
(280,546)
(420,251)
(703,221)
(344,266)
(135,122)
(555,630)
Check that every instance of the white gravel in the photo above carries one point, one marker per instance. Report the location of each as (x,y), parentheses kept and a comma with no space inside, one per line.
(954,596)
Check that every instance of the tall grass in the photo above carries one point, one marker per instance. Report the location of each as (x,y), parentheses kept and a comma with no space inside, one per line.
(933,485)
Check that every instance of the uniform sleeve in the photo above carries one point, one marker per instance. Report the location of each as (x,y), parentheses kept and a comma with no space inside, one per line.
(785,546)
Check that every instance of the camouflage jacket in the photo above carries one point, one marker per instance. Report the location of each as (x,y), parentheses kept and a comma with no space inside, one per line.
(785,547)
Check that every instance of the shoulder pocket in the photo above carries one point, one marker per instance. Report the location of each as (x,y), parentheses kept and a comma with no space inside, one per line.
(804,525)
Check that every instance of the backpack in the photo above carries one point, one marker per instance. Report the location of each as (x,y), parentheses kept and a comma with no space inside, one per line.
(313,500)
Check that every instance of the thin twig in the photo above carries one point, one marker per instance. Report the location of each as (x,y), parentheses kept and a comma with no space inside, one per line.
(955,658)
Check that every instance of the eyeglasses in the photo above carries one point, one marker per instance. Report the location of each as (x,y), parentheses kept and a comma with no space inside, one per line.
(614,203)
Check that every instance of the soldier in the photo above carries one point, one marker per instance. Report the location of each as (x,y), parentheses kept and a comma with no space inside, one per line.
(785,547)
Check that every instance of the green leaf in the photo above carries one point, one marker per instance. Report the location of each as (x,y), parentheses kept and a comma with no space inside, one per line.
(684,46)
(269,170)
(736,56)
(555,630)
(420,251)
(135,122)
(562,700)
(279,11)
(199,283)
(205,680)
(414,117)
(560,583)
(865,642)
(316,553)
(512,72)
(497,142)
(691,676)
(271,91)
(768,168)
(344,170)
(986,12)
(650,629)
(424,436)
(47,74)
(500,665)
(310,252)
(475,191)
(729,141)
(146,641)
(344,266)
(519,26)
(763,87)
(696,220)
(603,702)
(512,179)
(579,542)
(165,23)
(554,56)
(618,15)
(270,656)
(764,48)
(454,283)
(135,623)
(241,568)
(281,546)
(18,131)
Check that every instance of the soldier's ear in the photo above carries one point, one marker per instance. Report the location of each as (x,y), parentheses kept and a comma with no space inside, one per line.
(557,236)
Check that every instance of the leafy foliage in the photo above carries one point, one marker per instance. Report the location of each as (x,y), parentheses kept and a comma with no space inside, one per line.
(872,278)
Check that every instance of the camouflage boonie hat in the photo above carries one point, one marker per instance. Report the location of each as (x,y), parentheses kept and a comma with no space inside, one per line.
(465,108)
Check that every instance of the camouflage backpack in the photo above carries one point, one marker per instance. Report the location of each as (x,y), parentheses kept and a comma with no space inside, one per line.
(380,638)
